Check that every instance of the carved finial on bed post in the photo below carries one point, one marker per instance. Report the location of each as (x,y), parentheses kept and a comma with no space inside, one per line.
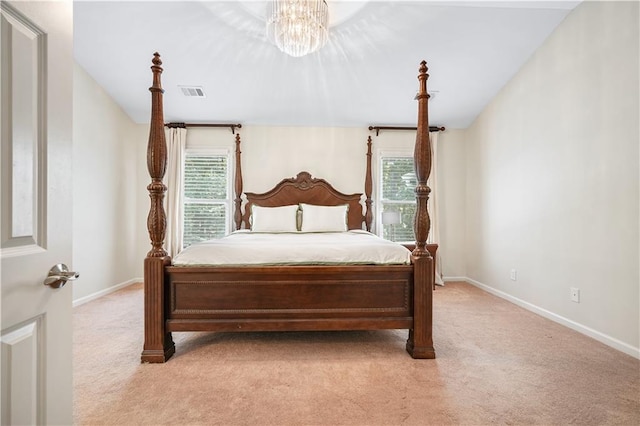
(237,216)
(157,164)
(422,156)
(368,218)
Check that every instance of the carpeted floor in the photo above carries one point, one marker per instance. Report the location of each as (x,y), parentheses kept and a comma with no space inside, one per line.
(497,364)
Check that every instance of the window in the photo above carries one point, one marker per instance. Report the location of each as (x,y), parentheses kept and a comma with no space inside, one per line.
(206,196)
(397,194)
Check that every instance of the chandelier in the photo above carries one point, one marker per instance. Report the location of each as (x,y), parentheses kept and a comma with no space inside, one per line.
(298,27)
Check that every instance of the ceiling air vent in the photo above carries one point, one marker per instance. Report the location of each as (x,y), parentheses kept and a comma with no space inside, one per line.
(193,91)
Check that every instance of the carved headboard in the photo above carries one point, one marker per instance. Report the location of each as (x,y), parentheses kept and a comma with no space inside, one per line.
(305,189)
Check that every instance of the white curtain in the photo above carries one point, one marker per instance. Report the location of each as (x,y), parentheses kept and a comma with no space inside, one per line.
(432,206)
(176,146)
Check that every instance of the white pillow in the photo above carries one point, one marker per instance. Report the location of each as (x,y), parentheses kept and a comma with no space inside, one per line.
(274,219)
(324,218)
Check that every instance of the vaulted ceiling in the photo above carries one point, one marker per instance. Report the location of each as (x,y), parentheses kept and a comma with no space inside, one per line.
(365,74)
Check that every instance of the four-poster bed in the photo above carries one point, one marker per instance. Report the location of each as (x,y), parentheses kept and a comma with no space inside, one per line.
(287,297)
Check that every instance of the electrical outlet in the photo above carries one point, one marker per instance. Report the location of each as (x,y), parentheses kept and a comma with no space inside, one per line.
(513,275)
(575,294)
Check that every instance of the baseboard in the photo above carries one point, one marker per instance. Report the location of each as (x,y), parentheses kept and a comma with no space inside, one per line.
(448,279)
(104,292)
(600,337)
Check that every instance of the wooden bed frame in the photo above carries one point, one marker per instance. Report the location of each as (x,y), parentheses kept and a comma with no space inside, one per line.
(287,298)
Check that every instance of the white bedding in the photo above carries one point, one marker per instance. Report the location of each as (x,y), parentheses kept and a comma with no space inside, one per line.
(294,248)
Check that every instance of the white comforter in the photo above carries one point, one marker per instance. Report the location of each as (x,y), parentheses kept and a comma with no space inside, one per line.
(326,248)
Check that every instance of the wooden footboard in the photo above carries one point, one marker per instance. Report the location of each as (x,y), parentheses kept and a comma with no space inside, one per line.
(291,298)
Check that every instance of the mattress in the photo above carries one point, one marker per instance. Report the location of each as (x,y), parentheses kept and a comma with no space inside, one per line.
(355,247)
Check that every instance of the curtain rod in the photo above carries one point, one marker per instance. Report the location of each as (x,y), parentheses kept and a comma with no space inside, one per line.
(185,125)
(378,128)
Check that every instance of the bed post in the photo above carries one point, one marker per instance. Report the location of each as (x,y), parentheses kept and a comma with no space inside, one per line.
(420,342)
(237,215)
(368,216)
(158,344)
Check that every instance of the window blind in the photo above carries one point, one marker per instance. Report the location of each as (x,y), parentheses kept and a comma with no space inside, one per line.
(398,183)
(206,197)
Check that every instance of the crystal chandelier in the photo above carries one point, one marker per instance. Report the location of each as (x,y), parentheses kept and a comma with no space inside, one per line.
(298,27)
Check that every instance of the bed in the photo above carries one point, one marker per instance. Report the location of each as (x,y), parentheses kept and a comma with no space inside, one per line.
(252,294)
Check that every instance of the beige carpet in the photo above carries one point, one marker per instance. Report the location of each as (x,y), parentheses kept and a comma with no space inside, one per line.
(497,364)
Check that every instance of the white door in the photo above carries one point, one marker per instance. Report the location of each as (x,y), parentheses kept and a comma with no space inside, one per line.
(36,93)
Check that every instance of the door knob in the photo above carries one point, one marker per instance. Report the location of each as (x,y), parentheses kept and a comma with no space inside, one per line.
(59,275)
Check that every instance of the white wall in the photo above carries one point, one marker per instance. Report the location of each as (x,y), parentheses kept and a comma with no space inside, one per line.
(270,154)
(140,136)
(105,188)
(552,178)
(452,183)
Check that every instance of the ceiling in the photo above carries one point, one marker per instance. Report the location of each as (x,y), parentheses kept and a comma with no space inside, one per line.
(366,73)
